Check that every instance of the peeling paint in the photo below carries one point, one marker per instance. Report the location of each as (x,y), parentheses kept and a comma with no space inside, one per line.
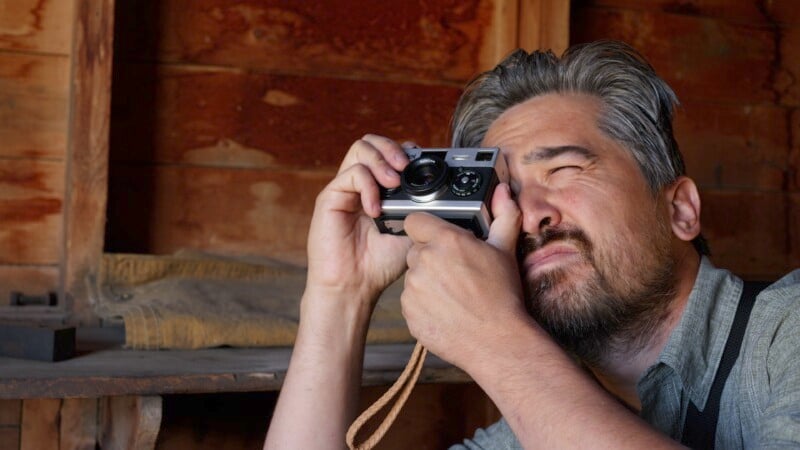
(229,153)
(277,97)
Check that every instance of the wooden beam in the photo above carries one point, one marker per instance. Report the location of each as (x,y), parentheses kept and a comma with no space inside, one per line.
(78,424)
(87,152)
(130,422)
(544,24)
(40,423)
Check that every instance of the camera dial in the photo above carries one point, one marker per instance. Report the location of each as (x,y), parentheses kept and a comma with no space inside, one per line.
(465,182)
(424,178)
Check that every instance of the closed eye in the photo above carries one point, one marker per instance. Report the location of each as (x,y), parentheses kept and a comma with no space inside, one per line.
(561,168)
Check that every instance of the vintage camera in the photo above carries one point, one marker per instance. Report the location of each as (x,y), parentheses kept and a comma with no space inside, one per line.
(455,184)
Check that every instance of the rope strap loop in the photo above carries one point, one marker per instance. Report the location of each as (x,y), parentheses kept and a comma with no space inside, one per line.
(401,388)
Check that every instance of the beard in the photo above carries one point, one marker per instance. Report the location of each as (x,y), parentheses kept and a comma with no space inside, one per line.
(617,307)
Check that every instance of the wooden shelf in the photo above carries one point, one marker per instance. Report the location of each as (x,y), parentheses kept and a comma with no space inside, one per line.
(118,371)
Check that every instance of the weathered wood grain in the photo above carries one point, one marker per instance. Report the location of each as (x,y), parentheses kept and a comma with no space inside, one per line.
(40,423)
(230,118)
(9,437)
(701,58)
(31,204)
(443,41)
(43,26)
(10,413)
(544,24)
(734,146)
(161,209)
(34,91)
(87,175)
(78,424)
(127,372)
(130,422)
(748,232)
(742,11)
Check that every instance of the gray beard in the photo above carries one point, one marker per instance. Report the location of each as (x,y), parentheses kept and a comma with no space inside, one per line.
(591,320)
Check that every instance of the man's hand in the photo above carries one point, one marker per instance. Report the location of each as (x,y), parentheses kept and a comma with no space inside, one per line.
(460,291)
(346,252)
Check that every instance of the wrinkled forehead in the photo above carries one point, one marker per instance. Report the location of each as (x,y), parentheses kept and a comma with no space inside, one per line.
(551,119)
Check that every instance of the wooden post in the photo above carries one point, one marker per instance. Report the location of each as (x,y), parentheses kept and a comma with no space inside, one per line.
(40,422)
(544,24)
(78,430)
(129,422)
(87,151)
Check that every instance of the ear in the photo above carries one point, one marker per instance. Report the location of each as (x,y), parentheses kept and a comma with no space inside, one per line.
(683,201)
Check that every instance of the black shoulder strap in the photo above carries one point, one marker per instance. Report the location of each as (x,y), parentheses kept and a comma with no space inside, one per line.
(700,428)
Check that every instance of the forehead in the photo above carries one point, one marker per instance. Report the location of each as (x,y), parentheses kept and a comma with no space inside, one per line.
(552,119)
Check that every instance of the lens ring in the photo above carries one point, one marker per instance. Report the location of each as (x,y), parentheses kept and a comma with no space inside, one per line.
(424,176)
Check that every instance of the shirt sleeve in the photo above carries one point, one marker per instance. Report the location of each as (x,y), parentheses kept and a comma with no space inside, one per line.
(780,423)
(497,436)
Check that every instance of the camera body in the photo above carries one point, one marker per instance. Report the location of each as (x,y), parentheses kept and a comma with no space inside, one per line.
(455,184)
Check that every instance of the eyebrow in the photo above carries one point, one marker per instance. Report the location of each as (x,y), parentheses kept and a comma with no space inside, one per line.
(547,153)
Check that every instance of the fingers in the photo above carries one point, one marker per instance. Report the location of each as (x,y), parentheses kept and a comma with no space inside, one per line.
(343,192)
(382,156)
(504,230)
(423,227)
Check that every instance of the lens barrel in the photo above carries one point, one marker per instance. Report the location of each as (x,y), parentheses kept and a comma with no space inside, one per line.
(424,178)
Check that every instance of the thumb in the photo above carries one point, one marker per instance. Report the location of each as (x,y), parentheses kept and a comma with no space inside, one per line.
(504,231)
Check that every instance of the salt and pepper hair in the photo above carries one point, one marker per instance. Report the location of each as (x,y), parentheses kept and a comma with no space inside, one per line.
(637,105)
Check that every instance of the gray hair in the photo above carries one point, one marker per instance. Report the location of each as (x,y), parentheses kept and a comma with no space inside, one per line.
(637,105)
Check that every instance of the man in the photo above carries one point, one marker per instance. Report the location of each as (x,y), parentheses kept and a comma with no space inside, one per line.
(594,254)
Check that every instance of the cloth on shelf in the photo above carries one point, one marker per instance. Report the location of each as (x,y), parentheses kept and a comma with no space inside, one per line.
(194,300)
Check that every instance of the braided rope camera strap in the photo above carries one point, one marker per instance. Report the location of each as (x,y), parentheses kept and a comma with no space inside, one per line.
(401,388)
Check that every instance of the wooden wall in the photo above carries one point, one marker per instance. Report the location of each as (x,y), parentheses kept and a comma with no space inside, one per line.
(734,65)
(229,118)
(35,49)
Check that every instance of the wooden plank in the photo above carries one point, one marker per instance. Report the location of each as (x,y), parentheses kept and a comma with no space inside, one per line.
(31,280)
(239,211)
(31,196)
(748,232)
(228,118)
(130,422)
(127,372)
(544,24)
(737,146)
(446,40)
(10,412)
(702,59)
(9,437)
(40,424)
(36,25)
(33,105)
(79,417)
(87,177)
(786,68)
(748,11)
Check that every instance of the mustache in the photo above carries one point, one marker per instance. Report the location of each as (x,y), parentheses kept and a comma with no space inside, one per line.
(528,243)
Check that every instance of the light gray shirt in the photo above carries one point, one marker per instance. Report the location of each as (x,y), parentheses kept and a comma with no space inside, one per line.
(760,405)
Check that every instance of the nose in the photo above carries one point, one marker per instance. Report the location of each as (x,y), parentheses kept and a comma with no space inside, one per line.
(538,210)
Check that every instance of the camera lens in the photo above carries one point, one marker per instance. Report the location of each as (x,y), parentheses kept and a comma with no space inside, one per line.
(424,177)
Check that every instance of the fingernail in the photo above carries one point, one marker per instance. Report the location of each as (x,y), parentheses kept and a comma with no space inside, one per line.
(392,173)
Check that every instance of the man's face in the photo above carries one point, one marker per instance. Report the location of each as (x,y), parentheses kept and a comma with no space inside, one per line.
(595,254)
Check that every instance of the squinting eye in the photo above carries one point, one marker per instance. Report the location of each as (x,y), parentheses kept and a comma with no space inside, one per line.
(561,168)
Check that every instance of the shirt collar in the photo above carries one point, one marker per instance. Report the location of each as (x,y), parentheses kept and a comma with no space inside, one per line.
(694,348)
